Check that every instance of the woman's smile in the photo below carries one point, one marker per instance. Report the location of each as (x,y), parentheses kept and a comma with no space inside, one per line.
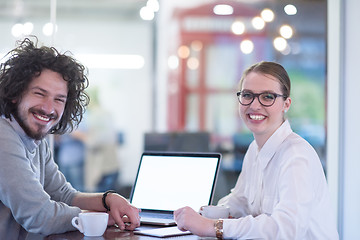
(262,120)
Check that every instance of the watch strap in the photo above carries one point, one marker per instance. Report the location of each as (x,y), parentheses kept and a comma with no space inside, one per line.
(219,228)
(104,199)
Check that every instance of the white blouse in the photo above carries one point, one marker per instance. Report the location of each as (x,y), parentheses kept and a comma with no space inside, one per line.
(281,192)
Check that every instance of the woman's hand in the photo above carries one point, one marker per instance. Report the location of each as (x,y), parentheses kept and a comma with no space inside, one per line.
(187,219)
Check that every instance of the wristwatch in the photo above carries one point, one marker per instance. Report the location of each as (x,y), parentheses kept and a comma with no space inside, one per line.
(104,198)
(219,228)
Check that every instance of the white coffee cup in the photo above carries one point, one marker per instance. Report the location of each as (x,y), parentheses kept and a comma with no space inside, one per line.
(91,224)
(215,212)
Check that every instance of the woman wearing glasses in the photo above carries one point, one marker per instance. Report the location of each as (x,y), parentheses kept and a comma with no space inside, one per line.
(281,192)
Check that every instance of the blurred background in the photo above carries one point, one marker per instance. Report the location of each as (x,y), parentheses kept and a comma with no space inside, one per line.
(164,75)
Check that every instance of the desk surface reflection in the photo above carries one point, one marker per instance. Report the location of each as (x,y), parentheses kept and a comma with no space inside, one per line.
(114,233)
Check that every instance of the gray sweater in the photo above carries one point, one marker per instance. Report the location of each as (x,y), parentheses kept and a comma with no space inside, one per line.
(34,196)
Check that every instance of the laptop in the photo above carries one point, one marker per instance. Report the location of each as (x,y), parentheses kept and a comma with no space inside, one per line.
(167,181)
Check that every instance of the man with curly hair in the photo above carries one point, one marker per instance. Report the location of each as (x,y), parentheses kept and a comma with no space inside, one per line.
(42,92)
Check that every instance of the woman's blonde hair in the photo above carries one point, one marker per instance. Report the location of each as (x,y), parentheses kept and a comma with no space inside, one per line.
(273,69)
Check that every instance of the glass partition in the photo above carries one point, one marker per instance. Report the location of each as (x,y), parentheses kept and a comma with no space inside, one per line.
(214,42)
(176,69)
(116,45)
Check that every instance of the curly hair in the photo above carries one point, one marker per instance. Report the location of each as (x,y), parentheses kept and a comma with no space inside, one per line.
(28,61)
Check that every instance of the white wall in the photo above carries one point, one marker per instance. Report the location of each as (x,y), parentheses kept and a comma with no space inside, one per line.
(351,127)
(333,96)
(126,93)
(344,129)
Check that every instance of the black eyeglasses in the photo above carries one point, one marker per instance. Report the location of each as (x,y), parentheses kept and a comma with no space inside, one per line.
(266,99)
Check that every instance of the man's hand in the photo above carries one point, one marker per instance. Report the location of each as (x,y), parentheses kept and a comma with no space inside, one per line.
(122,212)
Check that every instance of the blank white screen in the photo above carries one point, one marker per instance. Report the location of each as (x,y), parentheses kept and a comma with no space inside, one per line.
(171,182)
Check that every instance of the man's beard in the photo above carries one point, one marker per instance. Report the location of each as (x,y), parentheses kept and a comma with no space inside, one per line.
(37,135)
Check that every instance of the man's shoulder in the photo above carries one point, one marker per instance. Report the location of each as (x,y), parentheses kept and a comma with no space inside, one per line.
(5,127)
(8,136)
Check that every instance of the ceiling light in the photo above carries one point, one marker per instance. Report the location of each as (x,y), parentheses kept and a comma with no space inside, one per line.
(280,43)
(286,31)
(238,27)
(111,61)
(48,29)
(146,13)
(153,5)
(258,23)
(290,9)
(193,63)
(173,62)
(183,51)
(223,9)
(247,46)
(268,15)
(196,45)
(287,50)
(17,30)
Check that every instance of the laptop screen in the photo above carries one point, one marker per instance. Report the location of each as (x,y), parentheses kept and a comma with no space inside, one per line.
(168,181)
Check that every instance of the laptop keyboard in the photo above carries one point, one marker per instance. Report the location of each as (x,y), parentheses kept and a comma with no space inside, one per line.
(157,215)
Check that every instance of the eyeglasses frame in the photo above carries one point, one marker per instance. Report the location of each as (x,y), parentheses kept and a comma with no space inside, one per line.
(257,95)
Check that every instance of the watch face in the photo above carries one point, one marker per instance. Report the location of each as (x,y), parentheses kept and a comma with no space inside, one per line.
(219,224)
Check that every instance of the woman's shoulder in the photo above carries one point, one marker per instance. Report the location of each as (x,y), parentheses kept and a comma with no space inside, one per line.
(296,139)
(296,146)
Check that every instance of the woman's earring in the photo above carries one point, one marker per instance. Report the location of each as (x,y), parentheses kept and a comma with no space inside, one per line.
(285,111)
